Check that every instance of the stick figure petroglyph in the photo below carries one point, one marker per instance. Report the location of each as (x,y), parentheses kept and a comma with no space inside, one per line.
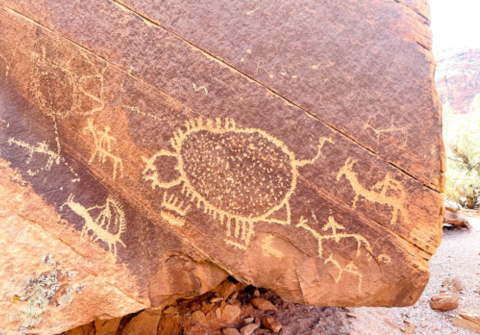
(103,147)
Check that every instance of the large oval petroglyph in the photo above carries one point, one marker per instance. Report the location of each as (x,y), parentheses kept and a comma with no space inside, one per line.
(240,175)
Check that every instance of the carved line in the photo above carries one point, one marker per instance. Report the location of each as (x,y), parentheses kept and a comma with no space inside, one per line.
(8,62)
(337,237)
(103,223)
(380,197)
(378,131)
(103,147)
(350,268)
(198,88)
(42,148)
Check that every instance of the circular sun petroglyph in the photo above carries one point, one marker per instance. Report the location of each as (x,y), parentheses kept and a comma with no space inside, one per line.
(64,85)
(51,86)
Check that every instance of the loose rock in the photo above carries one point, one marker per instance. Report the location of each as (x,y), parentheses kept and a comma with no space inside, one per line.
(411,328)
(83,330)
(170,310)
(199,317)
(107,327)
(456,220)
(453,284)
(230,331)
(230,313)
(169,326)
(467,319)
(444,302)
(272,324)
(263,304)
(248,329)
(225,289)
(144,323)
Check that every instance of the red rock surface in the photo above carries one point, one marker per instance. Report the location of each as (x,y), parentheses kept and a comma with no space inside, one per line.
(444,302)
(458,78)
(182,319)
(164,146)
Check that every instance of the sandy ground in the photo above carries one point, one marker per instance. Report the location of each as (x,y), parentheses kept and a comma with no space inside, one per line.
(458,256)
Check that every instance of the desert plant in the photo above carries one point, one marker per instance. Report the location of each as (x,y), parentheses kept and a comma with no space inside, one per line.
(462,142)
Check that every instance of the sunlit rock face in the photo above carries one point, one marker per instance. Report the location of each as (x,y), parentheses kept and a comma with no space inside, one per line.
(149,150)
(458,79)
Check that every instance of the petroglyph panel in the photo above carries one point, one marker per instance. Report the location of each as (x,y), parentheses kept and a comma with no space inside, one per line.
(247,101)
(344,85)
(187,170)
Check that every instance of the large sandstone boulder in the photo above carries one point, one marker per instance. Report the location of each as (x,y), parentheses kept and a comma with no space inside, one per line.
(149,149)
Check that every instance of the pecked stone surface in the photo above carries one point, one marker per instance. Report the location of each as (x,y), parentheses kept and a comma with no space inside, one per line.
(164,163)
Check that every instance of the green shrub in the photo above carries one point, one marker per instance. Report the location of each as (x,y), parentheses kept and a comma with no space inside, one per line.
(462,143)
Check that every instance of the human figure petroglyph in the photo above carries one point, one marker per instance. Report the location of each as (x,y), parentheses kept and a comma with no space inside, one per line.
(239,176)
(386,192)
(103,147)
(108,226)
